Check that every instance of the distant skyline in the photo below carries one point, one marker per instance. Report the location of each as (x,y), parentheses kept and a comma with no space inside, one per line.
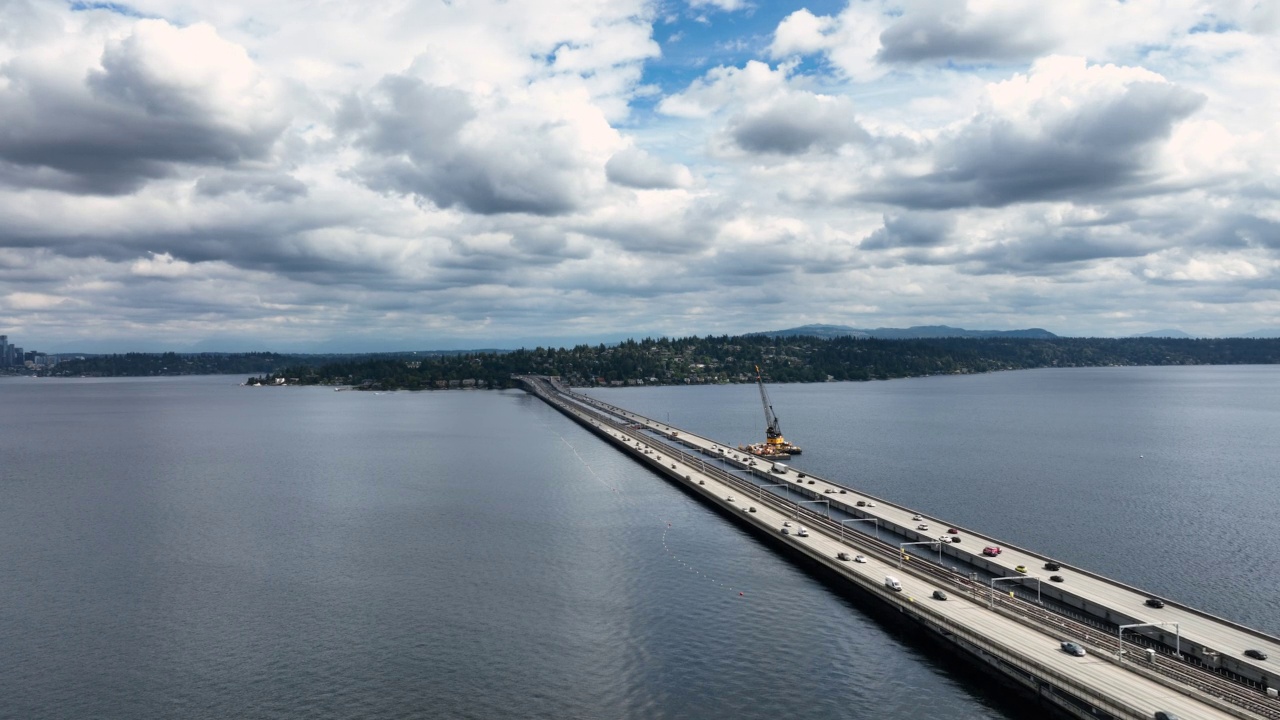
(329,177)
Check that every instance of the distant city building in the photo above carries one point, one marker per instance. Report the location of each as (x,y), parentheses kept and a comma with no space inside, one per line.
(10,355)
(13,356)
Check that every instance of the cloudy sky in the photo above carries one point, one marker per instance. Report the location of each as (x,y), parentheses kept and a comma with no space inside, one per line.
(407,174)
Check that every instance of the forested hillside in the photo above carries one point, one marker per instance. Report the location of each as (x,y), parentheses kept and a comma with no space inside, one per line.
(792,359)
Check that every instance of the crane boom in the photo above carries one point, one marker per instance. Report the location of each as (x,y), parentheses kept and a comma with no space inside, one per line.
(774,444)
(773,431)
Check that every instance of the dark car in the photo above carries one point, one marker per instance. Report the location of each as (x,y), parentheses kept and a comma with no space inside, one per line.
(1073,649)
(862,503)
(1052,566)
(939,595)
(1155,602)
(1255,654)
(1165,715)
(1055,578)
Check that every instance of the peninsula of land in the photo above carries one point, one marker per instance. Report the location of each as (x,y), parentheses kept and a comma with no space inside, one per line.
(692,360)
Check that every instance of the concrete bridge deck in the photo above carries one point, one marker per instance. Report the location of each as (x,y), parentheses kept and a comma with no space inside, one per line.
(1015,636)
(1216,642)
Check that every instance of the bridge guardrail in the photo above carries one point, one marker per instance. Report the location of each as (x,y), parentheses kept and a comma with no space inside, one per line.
(1174,674)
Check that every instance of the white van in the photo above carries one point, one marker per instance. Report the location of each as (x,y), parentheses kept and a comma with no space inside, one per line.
(779,468)
(892,583)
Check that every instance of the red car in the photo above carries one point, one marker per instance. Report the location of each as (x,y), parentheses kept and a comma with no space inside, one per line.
(953,531)
(991,550)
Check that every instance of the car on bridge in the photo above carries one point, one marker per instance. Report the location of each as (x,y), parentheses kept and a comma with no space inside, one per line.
(939,595)
(1154,602)
(1072,649)
(1021,569)
(991,551)
(859,559)
(1255,654)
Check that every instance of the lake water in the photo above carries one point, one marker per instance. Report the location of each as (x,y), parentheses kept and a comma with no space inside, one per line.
(186,547)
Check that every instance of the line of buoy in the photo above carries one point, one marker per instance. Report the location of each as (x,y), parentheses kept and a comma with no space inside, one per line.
(667,549)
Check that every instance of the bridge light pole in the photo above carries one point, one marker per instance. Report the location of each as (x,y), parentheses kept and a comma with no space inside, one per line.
(821,500)
(992,596)
(870,520)
(1177,634)
(760,491)
(902,549)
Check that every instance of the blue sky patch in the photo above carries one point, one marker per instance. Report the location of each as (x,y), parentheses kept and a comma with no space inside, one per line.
(695,40)
(116,8)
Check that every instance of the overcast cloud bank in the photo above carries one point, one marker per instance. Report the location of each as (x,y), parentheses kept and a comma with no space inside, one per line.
(306,176)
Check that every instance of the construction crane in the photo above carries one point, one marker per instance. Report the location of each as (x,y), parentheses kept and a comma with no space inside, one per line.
(774,444)
(772,430)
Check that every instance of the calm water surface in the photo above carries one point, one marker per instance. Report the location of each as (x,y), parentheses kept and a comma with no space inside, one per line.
(192,548)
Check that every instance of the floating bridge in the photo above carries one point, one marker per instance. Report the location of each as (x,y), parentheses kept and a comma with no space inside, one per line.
(1140,659)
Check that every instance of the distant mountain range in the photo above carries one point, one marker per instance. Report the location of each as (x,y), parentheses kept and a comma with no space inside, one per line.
(1178,334)
(1165,334)
(916,332)
(946,331)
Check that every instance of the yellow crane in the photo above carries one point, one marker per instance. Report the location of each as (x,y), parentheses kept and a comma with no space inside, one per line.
(774,444)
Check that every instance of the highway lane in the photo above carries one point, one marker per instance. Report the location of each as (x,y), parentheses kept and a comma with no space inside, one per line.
(1107,598)
(1139,695)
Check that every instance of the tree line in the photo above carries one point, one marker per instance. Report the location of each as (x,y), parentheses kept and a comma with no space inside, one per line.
(726,359)
(170,363)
